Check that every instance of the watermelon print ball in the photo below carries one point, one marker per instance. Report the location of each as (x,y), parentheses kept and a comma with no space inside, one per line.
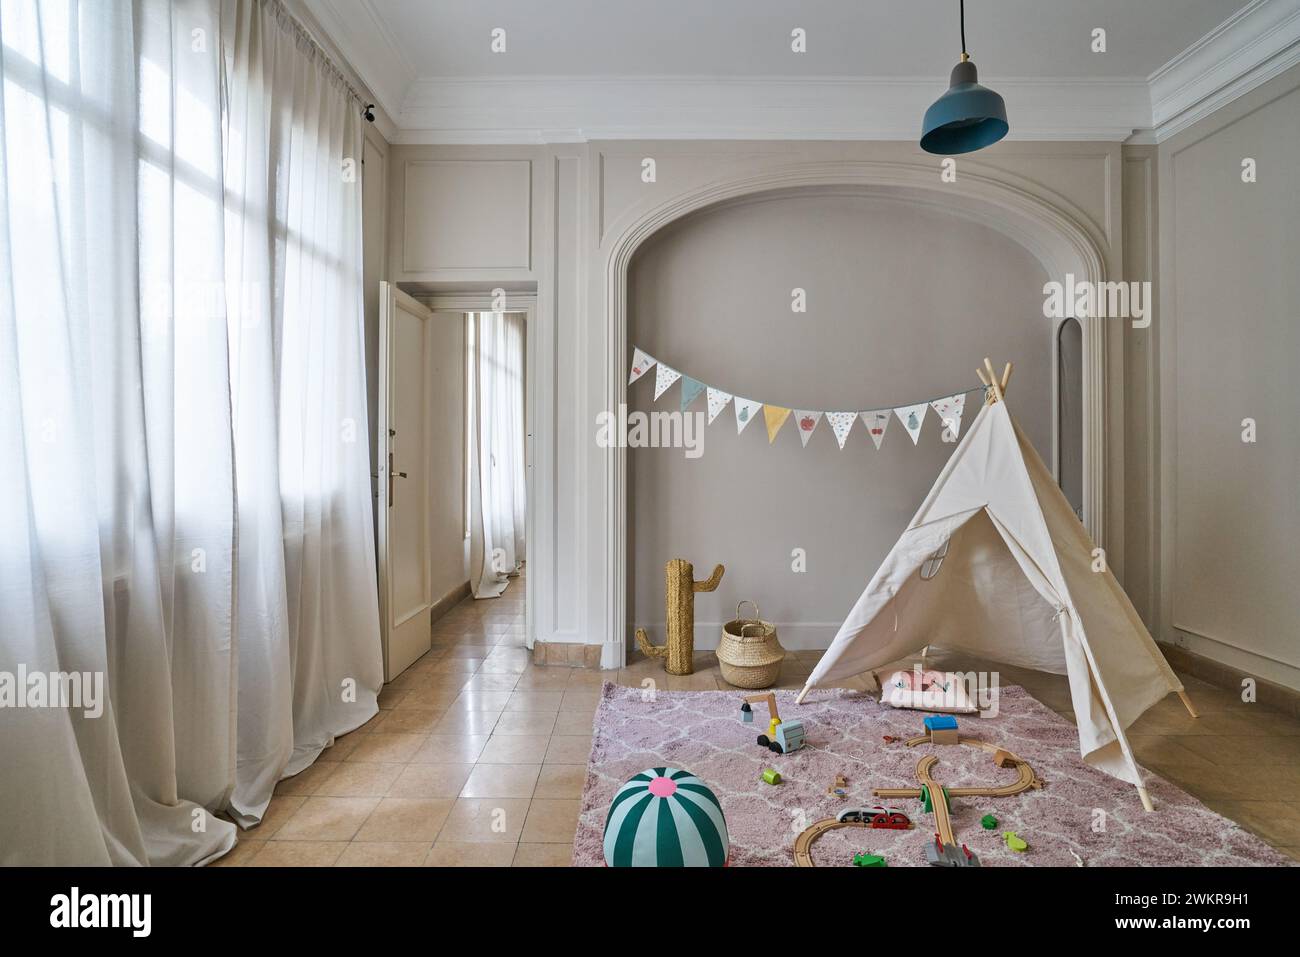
(665,817)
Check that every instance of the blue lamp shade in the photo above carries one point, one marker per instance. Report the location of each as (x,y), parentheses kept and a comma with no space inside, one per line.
(966,118)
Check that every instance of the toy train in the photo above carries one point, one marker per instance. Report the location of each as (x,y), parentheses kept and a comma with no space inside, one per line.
(877,816)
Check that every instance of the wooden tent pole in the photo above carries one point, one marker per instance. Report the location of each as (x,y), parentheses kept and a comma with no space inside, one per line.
(1187,703)
(1146,799)
(993,379)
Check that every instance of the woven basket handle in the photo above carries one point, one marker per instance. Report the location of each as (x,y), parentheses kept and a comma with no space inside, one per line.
(747,601)
(751,624)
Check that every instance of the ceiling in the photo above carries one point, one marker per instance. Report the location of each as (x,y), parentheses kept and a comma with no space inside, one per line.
(429,61)
(1039,38)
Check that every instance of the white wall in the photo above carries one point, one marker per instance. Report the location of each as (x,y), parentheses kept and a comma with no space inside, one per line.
(1229,336)
(902,303)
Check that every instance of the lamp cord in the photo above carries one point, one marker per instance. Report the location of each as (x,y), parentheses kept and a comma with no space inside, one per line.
(963,25)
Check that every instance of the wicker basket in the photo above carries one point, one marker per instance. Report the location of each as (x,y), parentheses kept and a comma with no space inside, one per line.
(749,653)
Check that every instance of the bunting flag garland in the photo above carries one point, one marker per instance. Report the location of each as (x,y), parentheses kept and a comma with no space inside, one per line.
(717,402)
(775,417)
(807,422)
(912,416)
(664,377)
(841,425)
(876,423)
(641,364)
(746,411)
(949,410)
(691,388)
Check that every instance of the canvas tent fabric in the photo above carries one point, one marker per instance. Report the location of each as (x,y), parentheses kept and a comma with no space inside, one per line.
(1016,586)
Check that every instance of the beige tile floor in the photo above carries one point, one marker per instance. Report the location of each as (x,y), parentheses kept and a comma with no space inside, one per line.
(477,757)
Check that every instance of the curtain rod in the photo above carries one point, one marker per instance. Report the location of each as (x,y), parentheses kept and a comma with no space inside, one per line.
(285,16)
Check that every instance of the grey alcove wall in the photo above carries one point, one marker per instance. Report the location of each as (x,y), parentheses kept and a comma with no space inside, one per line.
(903,302)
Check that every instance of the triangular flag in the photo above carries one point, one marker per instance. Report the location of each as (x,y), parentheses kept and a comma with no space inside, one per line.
(664,377)
(841,424)
(775,416)
(717,402)
(949,411)
(691,388)
(876,423)
(912,416)
(807,422)
(746,412)
(641,364)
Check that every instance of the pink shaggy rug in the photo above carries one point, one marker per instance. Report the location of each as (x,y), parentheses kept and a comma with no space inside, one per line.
(1079,809)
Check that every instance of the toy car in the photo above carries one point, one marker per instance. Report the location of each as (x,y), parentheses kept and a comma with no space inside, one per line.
(877,816)
(789,737)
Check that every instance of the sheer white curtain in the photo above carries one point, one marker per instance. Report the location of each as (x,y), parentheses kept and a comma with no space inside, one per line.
(116,492)
(498,493)
(185,494)
(310,657)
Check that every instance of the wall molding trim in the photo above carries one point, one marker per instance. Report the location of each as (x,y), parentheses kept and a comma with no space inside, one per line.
(551,109)
(1057,238)
(1254,44)
(1249,48)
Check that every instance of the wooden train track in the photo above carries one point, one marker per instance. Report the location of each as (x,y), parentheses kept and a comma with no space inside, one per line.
(808,836)
(1026,781)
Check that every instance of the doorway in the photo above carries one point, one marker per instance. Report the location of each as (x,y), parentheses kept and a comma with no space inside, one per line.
(496,483)
(455,466)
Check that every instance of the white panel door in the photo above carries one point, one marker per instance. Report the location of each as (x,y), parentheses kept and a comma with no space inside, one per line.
(405,582)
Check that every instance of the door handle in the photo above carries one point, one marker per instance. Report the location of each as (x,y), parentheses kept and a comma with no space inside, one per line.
(392,474)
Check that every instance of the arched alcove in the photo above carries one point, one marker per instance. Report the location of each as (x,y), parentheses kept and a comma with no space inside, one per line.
(900,300)
(1049,228)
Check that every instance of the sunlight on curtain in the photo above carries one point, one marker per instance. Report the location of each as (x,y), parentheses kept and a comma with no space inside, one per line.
(497,485)
(310,657)
(185,514)
(116,495)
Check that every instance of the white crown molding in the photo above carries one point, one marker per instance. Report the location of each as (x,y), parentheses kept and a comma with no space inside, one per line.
(577,108)
(1254,45)
(364,41)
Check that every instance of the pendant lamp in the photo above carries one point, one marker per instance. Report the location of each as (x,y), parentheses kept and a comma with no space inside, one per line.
(968,117)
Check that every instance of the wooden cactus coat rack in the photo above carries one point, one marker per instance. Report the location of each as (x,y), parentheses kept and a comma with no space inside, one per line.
(679,596)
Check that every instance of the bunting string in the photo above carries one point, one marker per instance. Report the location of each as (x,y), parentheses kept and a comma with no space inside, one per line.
(948,407)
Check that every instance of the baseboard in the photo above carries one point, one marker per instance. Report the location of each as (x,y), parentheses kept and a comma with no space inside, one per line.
(567,654)
(1268,693)
(449,601)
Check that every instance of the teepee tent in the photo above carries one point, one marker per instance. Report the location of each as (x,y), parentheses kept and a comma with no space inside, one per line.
(1016,584)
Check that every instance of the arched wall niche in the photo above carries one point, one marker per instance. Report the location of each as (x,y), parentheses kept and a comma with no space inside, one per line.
(1049,228)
